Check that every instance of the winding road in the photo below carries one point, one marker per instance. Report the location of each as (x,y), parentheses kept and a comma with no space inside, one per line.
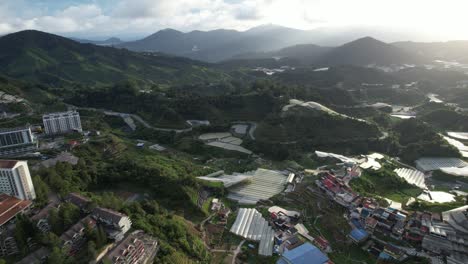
(135,117)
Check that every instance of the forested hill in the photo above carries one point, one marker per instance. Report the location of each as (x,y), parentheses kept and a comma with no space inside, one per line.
(51,59)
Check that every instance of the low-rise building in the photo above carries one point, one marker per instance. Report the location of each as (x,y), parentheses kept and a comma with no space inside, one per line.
(8,246)
(371,223)
(304,254)
(136,248)
(117,224)
(79,200)
(74,238)
(10,207)
(37,257)
(358,235)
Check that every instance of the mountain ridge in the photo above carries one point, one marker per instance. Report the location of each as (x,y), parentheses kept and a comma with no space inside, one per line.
(38,56)
(220,44)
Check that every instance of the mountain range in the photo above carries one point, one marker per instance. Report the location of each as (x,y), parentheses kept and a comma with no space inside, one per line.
(218,45)
(361,52)
(42,57)
(270,41)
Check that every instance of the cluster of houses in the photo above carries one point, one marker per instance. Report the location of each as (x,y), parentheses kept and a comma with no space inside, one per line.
(337,189)
(293,242)
(281,232)
(435,235)
(136,247)
(289,230)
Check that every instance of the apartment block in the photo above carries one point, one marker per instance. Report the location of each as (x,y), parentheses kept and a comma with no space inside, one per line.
(16,141)
(15,179)
(62,123)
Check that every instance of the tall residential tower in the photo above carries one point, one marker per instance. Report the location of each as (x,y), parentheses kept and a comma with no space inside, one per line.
(62,123)
(15,179)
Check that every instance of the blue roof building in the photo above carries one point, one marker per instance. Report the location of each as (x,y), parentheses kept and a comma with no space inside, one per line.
(357,223)
(304,254)
(358,235)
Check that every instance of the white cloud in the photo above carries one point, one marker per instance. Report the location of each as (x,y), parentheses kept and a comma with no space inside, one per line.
(441,18)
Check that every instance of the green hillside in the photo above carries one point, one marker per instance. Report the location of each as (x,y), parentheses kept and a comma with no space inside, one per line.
(50,59)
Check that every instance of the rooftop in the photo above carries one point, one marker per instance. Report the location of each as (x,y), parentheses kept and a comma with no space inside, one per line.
(358,234)
(251,225)
(108,214)
(304,254)
(10,207)
(78,200)
(60,113)
(13,129)
(77,228)
(134,246)
(35,257)
(8,164)
(457,218)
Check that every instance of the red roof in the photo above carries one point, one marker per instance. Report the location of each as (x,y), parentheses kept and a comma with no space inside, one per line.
(10,207)
(322,242)
(331,177)
(328,183)
(8,164)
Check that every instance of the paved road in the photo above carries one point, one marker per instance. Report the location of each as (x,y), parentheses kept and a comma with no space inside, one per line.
(135,117)
(237,251)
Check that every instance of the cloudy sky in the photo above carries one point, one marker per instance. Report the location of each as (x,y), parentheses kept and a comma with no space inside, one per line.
(438,19)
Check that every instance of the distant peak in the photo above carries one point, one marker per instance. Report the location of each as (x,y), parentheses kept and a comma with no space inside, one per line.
(365,41)
(264,27)
(113,39)
(169,30)
(368,39)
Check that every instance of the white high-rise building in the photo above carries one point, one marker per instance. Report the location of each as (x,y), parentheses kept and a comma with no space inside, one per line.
(15,179)
(61,123)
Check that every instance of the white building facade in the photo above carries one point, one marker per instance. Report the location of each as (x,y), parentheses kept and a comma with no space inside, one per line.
(15,179)
(17,141)
(62,123)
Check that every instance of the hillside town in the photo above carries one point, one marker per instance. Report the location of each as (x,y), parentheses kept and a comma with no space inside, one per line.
(126,245)
(381,227)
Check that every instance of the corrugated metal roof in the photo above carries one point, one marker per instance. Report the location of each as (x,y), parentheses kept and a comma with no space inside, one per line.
(304,254)
(251,225)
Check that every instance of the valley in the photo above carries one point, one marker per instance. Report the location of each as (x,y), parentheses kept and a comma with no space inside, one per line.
(354,153)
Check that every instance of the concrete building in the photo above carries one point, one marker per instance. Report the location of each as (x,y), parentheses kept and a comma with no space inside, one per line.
(15,179)
(62,123)
(11,207)
(37,257)
(79,200)
(16,141)
(74,238)
(117,224)
(136,248)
